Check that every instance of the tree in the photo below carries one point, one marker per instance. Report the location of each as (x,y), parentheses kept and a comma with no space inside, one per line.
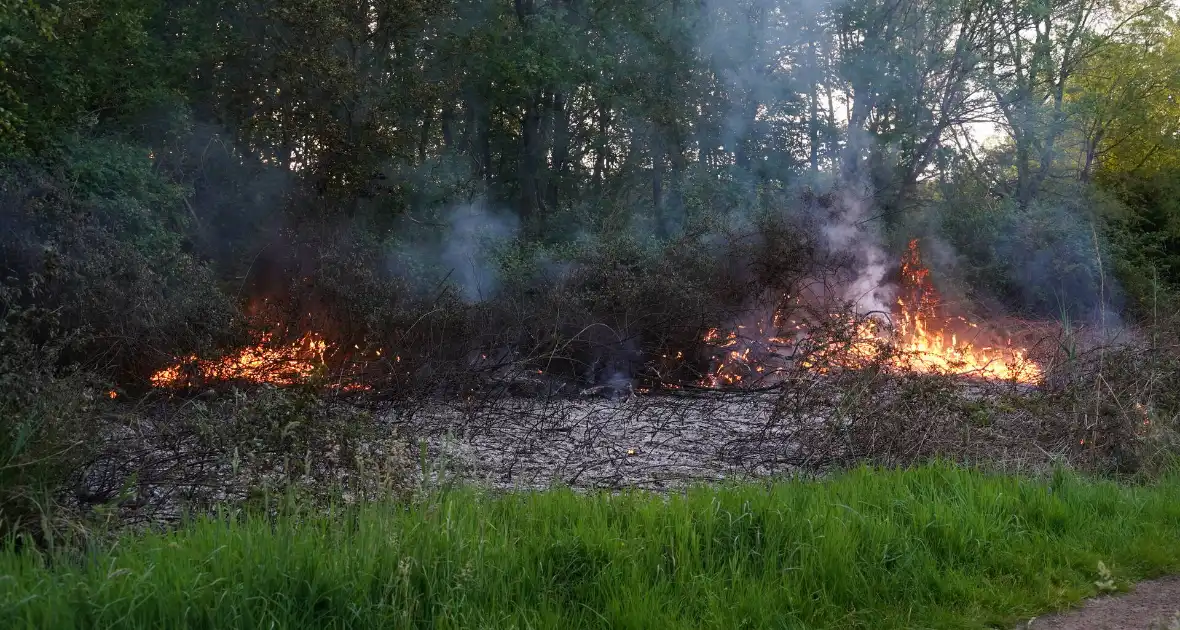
(1126,101)
(24,24)
(1035,53)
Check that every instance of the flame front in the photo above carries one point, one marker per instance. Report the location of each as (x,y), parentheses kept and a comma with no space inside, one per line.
(261,363)
(925,344)
(922,340)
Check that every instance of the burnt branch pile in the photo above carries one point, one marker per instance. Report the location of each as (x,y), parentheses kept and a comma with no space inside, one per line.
(610,315)
(624,368)
(1108,407)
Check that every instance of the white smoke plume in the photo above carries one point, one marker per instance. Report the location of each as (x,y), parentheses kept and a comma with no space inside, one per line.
(467,249)
(462,255)
(854,231)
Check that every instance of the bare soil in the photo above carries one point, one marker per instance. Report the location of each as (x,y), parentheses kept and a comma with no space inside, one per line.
(1152,605)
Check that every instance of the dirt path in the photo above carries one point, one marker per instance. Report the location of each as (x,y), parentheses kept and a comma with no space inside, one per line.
(1151,605)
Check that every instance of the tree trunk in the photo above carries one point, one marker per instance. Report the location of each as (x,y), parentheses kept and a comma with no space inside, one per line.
(602,144)
(529,164)
(657,172)
(485,146)
(424,136)
(448,127)
(675,202)
(813,114)
(1091,154)
(561,148)
(862,104)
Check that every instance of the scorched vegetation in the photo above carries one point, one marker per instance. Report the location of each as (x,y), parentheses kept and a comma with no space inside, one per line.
(352,251)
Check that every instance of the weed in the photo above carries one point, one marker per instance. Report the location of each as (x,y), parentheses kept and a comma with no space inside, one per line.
(934,546)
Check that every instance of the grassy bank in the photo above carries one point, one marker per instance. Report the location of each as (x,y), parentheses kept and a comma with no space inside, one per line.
(930,547)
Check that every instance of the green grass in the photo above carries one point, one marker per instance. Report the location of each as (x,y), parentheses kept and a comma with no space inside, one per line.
(933,547)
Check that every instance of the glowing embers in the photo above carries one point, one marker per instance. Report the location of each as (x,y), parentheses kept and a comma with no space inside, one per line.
(920,339)
(735,364)
(262,362)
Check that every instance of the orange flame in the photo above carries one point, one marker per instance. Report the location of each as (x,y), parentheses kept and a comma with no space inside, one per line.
(923,341)
(260,363)
(925,344)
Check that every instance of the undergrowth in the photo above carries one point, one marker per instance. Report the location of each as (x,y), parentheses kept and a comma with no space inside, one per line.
(934,546)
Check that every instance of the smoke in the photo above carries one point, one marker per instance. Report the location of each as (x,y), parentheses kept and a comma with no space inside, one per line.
(851,231)
(1056,257)
(463,254)
(1049,258)
(553,270)
(473,235)
(745,38)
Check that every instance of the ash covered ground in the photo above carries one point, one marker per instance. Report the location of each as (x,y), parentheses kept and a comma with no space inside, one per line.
(196,453)
(667,441)
(650,442)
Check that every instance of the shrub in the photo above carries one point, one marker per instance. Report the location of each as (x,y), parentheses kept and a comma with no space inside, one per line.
(596,310)
(1146,241)
(101,237)
(46,413)
(96,287)
(1043,259)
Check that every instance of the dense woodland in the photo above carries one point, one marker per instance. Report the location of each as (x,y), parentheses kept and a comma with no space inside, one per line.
(596,179)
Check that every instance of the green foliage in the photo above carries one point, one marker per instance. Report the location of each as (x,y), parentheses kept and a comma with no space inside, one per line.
(1125,98)
(926,547)
(24,24)
(1146,237)
(46,432)
(96,287)
(84,63)
(118,182)
(1044,258)
(102,234)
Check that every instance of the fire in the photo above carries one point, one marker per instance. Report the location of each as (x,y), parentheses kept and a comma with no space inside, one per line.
(926,341)
(921,339)
(261,363)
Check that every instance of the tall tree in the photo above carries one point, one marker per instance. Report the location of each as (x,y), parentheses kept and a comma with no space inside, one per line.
(1034,54)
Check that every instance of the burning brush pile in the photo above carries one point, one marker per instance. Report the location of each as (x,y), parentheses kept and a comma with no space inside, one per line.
(261,363)
(841,387)
(918,336)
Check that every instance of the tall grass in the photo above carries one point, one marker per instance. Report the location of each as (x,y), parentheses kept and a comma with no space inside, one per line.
(928,547)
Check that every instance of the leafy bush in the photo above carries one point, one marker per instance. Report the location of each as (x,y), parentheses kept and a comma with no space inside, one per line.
(75,64)
(1146,240)
(101,237)
(1044,259)
(95,287)
(45,418)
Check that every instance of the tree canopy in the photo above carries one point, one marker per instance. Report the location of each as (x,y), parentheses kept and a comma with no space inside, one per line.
(640,117)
